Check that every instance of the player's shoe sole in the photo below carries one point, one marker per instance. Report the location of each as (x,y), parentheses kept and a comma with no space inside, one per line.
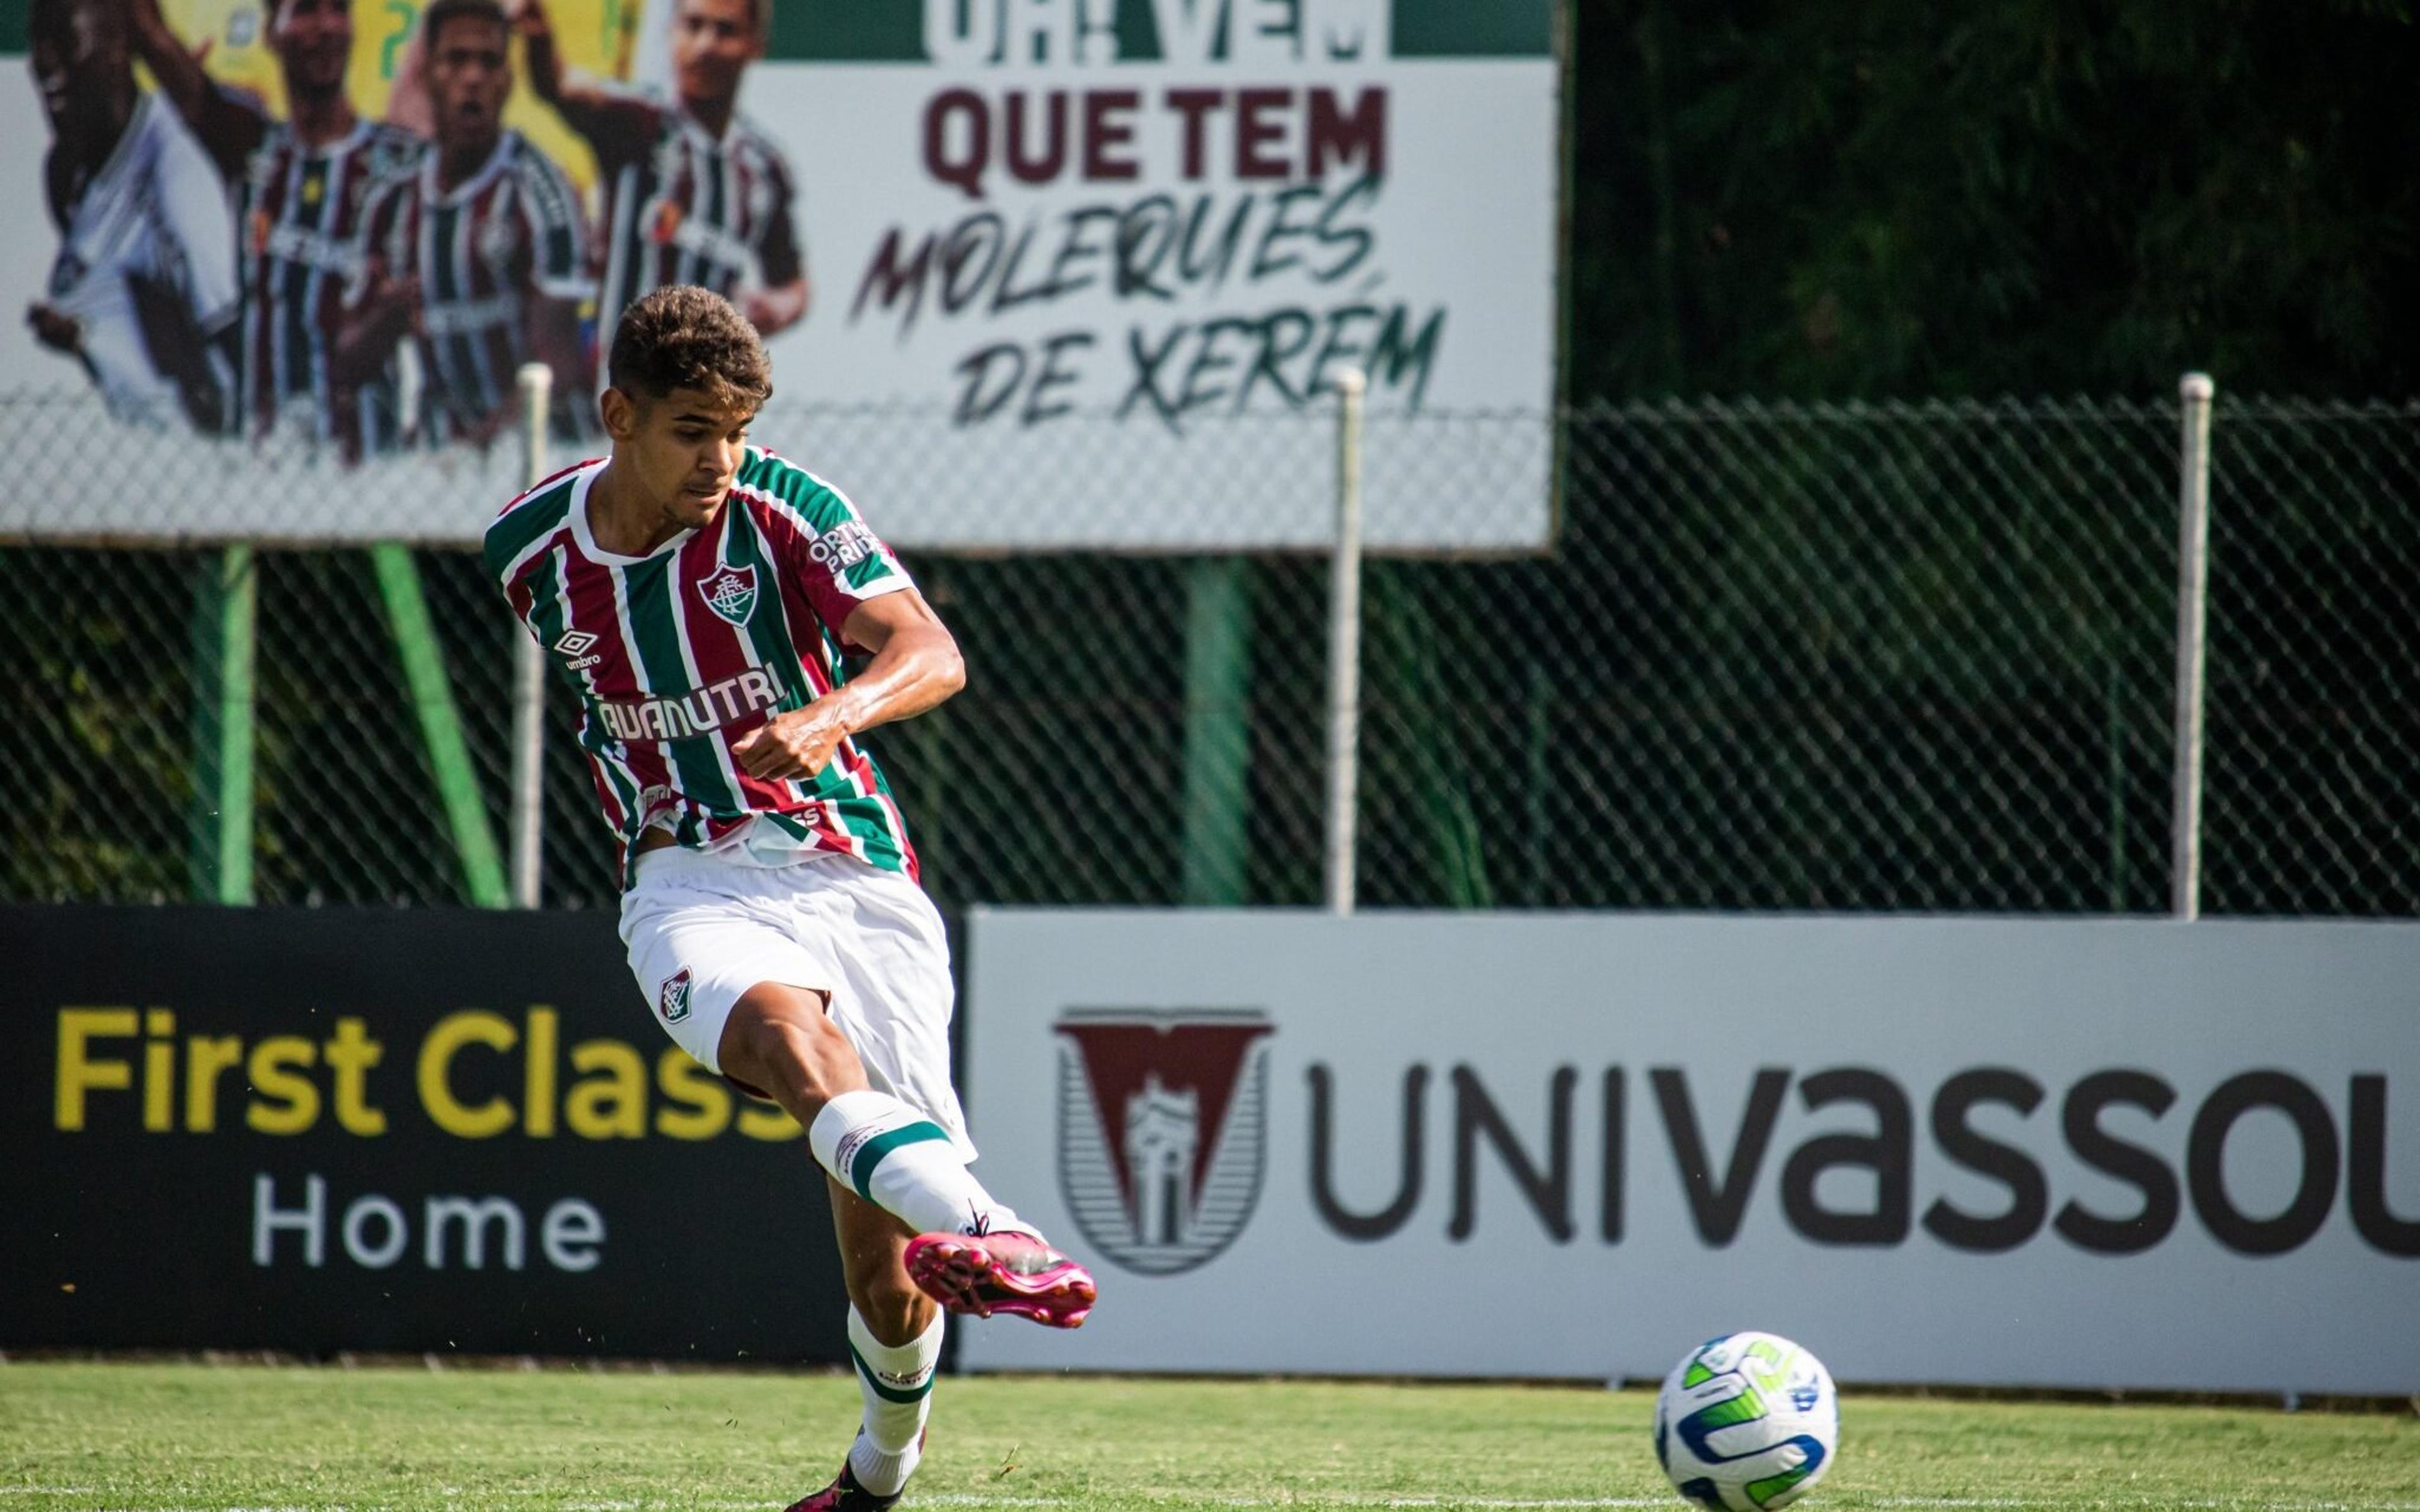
(1004,1272)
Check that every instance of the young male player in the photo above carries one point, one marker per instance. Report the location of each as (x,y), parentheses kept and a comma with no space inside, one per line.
(304,181)
(142,290)
(693,193)
(477,253)
(699,591)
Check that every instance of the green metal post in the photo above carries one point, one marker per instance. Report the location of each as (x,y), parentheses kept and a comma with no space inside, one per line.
(440,725)
(1218,728)
(1441,785)
(226,610)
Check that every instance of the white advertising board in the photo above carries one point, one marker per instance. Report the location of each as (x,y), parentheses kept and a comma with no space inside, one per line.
(1081,272)
(2100,1155)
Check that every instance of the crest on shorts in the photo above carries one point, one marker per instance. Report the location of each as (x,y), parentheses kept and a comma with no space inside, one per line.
(731,592)
(1163,1129)
(672,1002)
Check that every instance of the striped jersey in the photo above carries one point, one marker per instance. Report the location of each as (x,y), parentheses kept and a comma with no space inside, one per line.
(684,206)
(680,653)
(480,254)
(302,213)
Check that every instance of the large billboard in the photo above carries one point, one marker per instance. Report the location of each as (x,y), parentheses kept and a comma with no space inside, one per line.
(1050,255)
(2092,1154)
(414,1131)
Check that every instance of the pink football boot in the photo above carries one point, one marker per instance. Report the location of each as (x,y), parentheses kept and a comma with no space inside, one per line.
(1008,1272)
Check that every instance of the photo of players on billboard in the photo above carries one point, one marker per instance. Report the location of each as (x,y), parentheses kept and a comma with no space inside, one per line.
(350,222)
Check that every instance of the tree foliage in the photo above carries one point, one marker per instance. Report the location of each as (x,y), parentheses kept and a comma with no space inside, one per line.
(1873,198)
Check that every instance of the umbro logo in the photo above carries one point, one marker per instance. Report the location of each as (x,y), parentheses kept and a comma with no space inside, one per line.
(574,644)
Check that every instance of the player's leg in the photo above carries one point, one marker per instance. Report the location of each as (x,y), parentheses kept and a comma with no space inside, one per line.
(783,1041)
(747,997)
(895,1342)
(893,1003)
(901,1154)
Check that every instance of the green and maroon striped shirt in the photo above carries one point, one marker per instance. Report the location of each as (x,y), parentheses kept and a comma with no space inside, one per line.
(681,651)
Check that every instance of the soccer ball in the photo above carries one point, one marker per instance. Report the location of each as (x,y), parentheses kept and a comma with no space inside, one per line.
(1746,1422)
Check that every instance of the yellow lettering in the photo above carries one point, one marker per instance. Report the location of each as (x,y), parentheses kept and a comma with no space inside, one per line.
(695,1089)
(537,1075)
(207,1058)
(159,1071)
(294,1099)
(471,1026)
(767,1121)
(79,1070)
(350,1055)
(611,1105)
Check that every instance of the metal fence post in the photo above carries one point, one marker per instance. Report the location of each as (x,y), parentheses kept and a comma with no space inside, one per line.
(1217,730)
(2192,614)
(1344,645)
(225,624)
(536,382)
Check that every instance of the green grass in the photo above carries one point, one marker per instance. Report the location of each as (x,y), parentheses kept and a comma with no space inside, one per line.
(125,1436)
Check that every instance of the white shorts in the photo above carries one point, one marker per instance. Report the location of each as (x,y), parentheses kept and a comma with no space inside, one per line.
(702,929)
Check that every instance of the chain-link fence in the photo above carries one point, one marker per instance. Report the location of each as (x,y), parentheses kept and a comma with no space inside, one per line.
(1773,656)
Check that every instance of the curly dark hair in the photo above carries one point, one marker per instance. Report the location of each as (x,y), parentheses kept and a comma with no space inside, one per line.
(433,20)
(682,336)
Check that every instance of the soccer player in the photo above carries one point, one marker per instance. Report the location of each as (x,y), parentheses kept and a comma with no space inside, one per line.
(477,254)
(303,182)
(699,593)
(142,290)
(693,193)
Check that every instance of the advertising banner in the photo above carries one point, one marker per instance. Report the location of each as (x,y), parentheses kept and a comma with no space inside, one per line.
(1047,255)
(315,1130)
(2077,1153)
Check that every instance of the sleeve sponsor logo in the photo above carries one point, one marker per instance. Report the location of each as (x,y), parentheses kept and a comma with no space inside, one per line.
(844,546)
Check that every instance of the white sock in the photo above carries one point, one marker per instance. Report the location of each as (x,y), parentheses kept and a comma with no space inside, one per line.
(903,1163)
(896,1381)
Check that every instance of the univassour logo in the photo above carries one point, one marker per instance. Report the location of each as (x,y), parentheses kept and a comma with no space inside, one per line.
(731,593)
(672,1002)
(1163,1129)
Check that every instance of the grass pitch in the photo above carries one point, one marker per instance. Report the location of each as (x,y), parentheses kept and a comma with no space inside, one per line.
(147,1438)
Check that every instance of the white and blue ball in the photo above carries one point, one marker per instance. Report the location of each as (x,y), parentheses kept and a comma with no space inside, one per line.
(1746,1422)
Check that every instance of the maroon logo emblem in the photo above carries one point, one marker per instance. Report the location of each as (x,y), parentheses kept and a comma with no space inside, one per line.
(1162,1130)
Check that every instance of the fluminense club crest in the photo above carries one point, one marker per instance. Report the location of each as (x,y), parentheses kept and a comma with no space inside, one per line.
(673,1001)
(731,592)
(1163,1129)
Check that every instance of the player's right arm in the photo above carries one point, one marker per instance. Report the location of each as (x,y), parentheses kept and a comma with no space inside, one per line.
(618,127)
(229,124)
(916,666)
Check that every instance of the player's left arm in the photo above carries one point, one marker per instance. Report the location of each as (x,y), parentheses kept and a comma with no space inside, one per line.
(783,302)
(916,666)
(54,327)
